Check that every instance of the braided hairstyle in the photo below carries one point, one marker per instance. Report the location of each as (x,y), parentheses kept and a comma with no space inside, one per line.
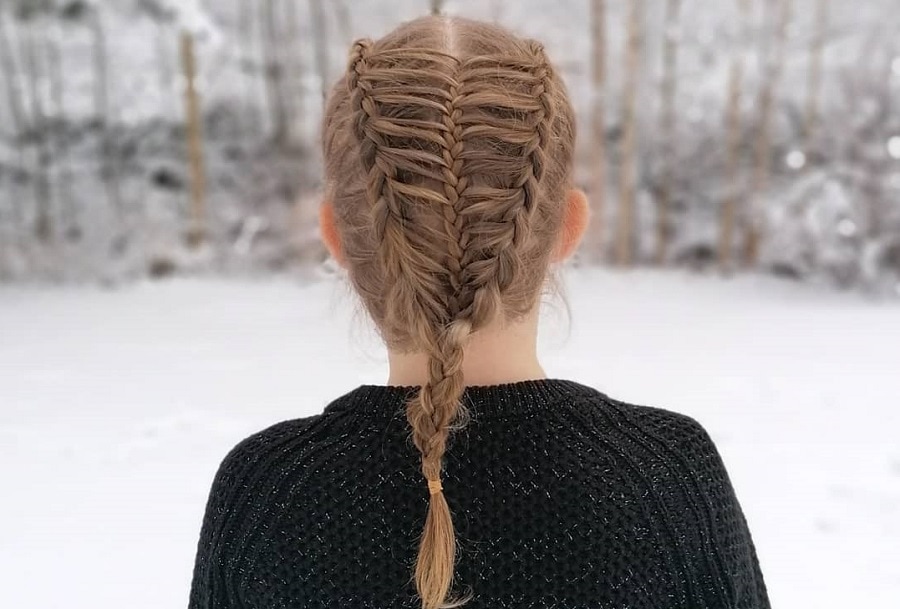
(448,148)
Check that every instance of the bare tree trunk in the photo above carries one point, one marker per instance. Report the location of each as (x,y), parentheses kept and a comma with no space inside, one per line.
(667,127)
(10,71)
(296,88)
(344,21)
(197,232)
(867,178)
(735,84)
(272,44)
(103,110)
(815,77)
(598,124)
(57,92)
(877,208)
(320,44)
(628,181)
(763,152)
(247,29)
(164,67)
(437,6)
(19,121)
(42,191)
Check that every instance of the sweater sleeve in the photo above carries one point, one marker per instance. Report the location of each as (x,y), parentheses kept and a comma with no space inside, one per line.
(208,586)
(734,541)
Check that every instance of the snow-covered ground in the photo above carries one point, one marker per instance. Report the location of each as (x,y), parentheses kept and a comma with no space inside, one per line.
(116,407)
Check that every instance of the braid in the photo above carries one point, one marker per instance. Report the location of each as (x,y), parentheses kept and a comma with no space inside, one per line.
(455,184)
(417,276)
(439,398)
(487,277)
(543,119)
(462,158)
(386,197)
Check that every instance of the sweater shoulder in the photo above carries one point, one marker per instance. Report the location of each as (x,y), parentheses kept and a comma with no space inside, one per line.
(279,446)
(237,475)
(682,433)
(684,472)
(669,425)
(226,505)
(675,426)
(678,439)
(256,447)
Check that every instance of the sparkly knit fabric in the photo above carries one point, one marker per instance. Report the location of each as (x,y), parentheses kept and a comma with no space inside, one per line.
(561,497)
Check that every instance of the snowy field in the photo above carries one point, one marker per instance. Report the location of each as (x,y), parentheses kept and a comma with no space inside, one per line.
(116,407)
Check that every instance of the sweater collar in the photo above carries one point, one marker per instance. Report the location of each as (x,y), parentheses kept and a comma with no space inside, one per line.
(483,401)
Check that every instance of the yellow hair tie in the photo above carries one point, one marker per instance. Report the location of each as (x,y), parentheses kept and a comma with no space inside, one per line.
(435,486)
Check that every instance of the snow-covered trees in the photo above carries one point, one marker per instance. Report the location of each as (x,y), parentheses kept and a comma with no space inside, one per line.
(763,132)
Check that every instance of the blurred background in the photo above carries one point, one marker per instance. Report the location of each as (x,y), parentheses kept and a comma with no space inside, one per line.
(153,137)
(164,293)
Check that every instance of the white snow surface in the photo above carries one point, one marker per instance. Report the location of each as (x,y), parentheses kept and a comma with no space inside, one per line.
(117,406)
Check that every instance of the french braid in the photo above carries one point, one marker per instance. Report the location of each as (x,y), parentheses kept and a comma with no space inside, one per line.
(462,153)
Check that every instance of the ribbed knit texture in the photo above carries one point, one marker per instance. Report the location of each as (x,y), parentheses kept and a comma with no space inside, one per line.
(561,497)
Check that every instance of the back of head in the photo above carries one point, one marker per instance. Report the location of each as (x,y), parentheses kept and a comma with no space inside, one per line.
(448,149)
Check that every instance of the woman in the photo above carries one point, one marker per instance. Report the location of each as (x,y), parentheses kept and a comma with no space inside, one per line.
(469,477)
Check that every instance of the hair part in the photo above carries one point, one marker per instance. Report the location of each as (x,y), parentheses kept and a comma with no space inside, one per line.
(448,149)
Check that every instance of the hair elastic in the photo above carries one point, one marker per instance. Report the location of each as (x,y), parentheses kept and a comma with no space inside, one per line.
(435,486)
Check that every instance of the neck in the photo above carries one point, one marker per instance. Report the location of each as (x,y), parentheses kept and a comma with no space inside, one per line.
(502,352)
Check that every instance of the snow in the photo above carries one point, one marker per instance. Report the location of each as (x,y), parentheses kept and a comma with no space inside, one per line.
(118,405)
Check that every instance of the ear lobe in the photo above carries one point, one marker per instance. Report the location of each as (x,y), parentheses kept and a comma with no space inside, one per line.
(329,232)
(575,221)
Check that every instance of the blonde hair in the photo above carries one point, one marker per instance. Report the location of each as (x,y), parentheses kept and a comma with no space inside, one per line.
(448,149)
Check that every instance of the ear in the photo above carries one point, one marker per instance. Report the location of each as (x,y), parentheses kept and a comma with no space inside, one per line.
(575,221)
(329,232)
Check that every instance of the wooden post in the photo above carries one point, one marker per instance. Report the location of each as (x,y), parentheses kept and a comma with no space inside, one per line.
(628,177)
(197,231)
(667,126)
(733,121)
(598,124)
(763,146)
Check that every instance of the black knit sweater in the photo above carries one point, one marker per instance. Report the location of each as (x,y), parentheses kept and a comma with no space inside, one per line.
(561,498)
